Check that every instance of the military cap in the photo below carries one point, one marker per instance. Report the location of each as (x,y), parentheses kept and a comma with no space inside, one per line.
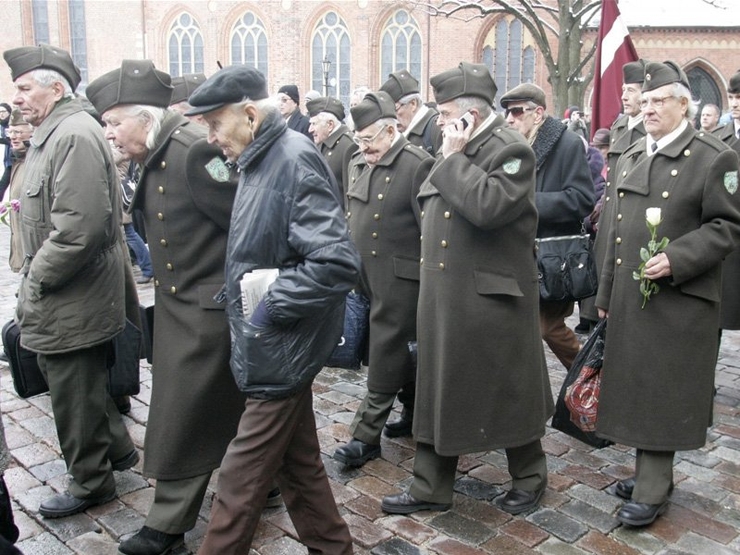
(374,106)
(734,86)
(27,58)
(400,84)
(16,118)
(227,86)
(633,72)
(135,82)
(325,104)
(183,86)
(526,92)
(658,74)
(465,80)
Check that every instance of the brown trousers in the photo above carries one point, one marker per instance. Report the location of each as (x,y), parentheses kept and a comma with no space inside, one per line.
(560,338)
(276,440)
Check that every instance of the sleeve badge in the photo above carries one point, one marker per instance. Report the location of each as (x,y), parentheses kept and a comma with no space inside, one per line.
(512,165)
(217,169)
(731,182)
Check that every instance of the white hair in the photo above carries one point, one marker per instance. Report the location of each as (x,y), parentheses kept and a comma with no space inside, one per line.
(682,91)
(153,114)
(47,77)
(467,102)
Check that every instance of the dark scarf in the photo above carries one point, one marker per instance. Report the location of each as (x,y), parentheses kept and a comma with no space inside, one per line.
(547,136)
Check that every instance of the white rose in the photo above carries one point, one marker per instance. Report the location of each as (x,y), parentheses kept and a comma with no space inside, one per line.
(652,215)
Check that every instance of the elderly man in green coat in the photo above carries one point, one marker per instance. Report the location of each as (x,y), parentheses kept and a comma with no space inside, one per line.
(71,296)
(482,381)
(662,297)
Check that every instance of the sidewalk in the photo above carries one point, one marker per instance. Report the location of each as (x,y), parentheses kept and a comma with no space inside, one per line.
(577,515)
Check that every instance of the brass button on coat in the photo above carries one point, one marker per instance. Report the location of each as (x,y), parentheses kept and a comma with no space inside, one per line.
(173,290)
(163,242)
(163,165)
(160,216)
(447,215)
(169,266)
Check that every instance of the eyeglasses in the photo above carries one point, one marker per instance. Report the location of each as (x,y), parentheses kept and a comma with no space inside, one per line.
(3,111)
(15,132)
(367,141)
(656,102)
(517,111)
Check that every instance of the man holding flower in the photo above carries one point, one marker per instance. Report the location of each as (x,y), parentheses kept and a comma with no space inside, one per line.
(676,216)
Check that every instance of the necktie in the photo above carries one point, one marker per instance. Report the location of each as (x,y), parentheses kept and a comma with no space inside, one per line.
(654,147)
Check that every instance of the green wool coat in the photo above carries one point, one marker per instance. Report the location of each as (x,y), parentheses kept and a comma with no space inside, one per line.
(659,362)
(482,381)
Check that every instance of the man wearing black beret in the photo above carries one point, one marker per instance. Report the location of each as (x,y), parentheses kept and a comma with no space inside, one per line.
(287,216)
(333,137)
(71,296)
(185,193)
(290,107)
(481,380)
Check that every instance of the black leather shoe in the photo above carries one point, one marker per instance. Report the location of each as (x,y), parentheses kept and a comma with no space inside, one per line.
(398,428)
(274,498)
(356,453)
(640,514)
(66,504)
(126,462)
(149,541)
(517,500)
(405,503)
(624,488)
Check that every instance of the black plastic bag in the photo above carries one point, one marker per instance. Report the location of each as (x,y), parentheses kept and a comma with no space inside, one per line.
(350,350)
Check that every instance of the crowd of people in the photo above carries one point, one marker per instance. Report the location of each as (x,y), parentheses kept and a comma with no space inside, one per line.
(430,210)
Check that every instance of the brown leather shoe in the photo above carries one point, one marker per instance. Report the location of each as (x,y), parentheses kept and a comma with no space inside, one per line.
(405,503)
(517,500)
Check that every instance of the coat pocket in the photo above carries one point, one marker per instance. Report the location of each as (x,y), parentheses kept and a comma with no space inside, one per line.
(487,283)
(32,203)
(406,268)
(258,356)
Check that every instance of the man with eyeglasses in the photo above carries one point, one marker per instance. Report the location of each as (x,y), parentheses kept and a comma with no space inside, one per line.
(482,381)
(417,122)
(332,136)
(564,195)
(289,104)
(730,135)
(660,354)
(383,217)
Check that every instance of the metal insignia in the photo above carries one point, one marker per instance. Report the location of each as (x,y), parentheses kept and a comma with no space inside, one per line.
(731,182)
(217,169)
(512,165)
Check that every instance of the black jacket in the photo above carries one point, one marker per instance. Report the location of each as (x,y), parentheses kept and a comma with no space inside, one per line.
(287,215)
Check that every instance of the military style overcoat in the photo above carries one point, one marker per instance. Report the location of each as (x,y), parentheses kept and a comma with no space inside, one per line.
(383,218)
(337,150)
(730,308)
(481,382)
(658,373)
(427,131)
(186,194)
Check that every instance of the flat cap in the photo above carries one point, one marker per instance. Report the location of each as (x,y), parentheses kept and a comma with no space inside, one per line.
(633,72)
(135,82)
(183,86)
(16,118)
(526,92)
(27,58)
(399,84)
(734,85)
(374,106)
(465,80)
(602,137)
(227,86)
(658,74)
(326,104)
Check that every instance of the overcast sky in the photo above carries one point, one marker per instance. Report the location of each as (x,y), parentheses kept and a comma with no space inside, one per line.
(669,13)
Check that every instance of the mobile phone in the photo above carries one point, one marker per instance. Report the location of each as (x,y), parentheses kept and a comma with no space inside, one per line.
(467,119)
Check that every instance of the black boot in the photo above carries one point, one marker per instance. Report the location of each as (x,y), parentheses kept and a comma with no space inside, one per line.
(8,529)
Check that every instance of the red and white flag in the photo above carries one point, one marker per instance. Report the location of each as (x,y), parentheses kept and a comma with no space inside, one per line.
(614,49)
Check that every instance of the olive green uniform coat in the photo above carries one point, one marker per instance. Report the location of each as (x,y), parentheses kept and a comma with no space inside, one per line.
(195,405)
(337,150)
(383,219)
(658,373)
(730,307)
(482,381)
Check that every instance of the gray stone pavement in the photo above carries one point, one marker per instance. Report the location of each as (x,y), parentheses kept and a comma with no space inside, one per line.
(577,515)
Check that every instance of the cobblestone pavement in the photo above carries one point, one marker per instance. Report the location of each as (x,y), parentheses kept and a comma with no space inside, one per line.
(577,514)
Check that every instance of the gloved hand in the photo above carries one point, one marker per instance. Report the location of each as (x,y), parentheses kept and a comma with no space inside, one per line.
(260,317)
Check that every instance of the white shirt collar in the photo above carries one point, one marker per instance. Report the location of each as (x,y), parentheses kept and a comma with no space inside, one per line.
(634,121)
(668,139)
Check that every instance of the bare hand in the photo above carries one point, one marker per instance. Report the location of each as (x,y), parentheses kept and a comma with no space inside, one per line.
(658,266)
(455,137)
(603,313)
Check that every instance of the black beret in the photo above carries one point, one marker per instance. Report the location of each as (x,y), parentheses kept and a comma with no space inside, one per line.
(27,58)
(526,92)
(633,72)
(373,107)
(325,104)
(229,85)
(465,80)
(183,87)
(659,74)
(135,82)
(734,86)
(400,84)
(291,91)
